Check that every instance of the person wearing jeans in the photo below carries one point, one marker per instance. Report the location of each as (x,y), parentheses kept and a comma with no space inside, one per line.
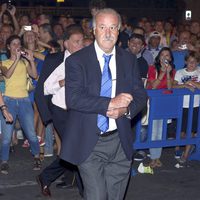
(15,70)
(160,76)
(22,109)
(48,148)
(156,135)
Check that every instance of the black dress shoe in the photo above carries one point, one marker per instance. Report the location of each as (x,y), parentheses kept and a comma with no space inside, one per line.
(64,185)
(44,188)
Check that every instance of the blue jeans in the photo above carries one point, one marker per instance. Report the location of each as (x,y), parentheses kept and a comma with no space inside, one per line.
(48,148)
(21,108)
(155,153)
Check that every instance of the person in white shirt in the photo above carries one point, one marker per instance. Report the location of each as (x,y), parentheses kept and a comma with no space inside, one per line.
(189,77)
(51,86)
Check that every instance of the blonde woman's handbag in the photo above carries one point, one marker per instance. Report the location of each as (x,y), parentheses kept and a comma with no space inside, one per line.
(30,87)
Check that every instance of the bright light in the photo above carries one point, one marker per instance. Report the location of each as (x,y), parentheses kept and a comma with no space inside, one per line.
(59,1)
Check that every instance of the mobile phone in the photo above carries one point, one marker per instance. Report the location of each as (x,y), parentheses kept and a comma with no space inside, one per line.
(9,4)
(27,28)
(188,15)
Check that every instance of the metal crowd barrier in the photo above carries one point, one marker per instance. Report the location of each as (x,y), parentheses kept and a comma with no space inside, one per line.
(165,105)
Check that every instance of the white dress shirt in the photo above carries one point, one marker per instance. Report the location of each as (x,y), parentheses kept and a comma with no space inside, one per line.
(112,65)
(52,86)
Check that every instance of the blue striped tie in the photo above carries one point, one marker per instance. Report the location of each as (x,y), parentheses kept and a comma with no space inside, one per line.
(106,89)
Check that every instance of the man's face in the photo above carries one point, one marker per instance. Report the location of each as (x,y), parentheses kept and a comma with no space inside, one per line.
(42,34)
(191,64)
(74,43)
(159,26)
(5,32)
(42,19)
(195,28)
(24,21)
(184,38)
(154,41)
(58,30)
(135,45)
(106,31)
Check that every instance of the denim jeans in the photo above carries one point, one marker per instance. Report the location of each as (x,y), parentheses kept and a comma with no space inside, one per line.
(48,148)
(21,108)
(155,153)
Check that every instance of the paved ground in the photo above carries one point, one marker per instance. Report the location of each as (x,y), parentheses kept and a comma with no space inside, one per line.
(167,183)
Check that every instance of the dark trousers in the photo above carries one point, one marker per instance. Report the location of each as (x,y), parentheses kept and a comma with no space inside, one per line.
(58,166)
(105,173)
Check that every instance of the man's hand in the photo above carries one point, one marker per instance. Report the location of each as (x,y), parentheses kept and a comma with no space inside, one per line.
(62,82)
(121,100)
(8,117)
(116,112)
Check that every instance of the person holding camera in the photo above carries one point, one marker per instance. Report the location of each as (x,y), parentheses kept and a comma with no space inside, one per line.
(15,70)
(160,76)
(7,16)
(181,50)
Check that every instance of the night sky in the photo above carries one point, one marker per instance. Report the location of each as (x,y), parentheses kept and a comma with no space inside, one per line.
(110,3)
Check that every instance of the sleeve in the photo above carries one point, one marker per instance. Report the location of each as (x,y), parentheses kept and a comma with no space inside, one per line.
(51,85)
(41,100)
(177,77)
(151,73)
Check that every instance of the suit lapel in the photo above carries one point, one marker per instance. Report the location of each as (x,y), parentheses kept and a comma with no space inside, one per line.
(95,68)
(119,71)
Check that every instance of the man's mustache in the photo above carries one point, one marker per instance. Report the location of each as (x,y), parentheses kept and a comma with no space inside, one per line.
(108,38)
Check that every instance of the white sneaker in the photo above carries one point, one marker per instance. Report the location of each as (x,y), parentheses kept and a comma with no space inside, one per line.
(145,170)
(48,155)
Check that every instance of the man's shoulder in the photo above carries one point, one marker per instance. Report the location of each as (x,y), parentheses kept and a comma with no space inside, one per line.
(124,53)
(85,50)
(54,55)
(83,54)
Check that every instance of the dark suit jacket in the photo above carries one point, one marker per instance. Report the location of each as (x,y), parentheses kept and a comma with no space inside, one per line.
(83,84)
(51,62)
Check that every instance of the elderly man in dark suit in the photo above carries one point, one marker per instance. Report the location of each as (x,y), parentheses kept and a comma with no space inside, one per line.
(103,92)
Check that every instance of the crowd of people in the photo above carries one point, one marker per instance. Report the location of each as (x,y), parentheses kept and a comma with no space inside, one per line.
(67,102)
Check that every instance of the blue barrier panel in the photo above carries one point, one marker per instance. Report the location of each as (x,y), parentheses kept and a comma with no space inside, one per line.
(166,105)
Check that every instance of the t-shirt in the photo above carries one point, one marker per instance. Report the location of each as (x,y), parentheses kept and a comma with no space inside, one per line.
(183,76)
(15,86)
(153,74)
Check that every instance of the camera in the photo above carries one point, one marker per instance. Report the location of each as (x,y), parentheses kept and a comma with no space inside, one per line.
(183,46)
(9,4)
(23,53)
(27,28)
(166,62)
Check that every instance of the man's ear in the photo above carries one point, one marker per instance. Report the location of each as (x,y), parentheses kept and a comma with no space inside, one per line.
(94,31)
(65,44)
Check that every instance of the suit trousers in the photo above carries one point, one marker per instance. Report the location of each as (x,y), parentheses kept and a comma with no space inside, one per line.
(58,166)
(105,173)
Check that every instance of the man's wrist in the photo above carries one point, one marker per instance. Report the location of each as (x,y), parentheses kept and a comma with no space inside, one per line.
(127,114)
